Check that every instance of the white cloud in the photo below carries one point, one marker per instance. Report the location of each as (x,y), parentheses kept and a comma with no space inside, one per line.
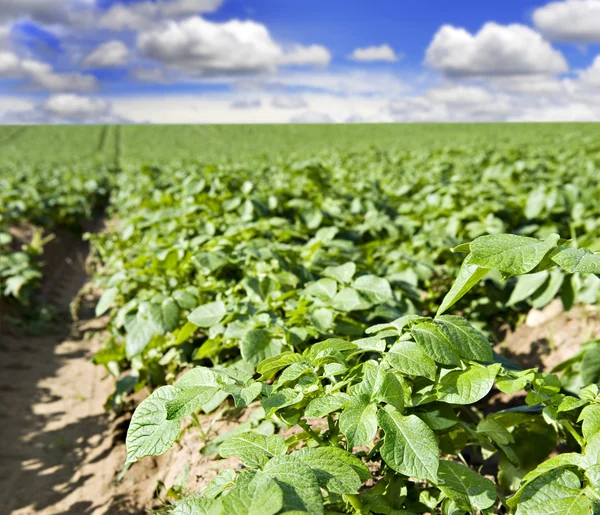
(289,102)
(77,108)
(43,11)
(576,21)
(143,15)
(108,55)
(460,95)
(11,103)
(591,76)
(536,85)
(374,53)
(312,55)
(494,50)
(62,108)
(42,76)
(200,47)
(10,65)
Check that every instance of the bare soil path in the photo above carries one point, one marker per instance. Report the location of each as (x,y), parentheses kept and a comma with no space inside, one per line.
(59,449)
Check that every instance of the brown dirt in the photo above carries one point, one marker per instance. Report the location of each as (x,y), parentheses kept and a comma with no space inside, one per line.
(61,452)
(551,336)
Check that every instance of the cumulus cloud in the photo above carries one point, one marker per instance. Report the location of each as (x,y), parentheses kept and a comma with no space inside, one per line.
(289,102)
(575,21)
(65,108)
(537,85)
(495,50)
(111,54)
(201,47)
(42,76)
(591,76)
(374,53)
(43,11)
(460,95)
(142,15)
(312,55)
(76,107)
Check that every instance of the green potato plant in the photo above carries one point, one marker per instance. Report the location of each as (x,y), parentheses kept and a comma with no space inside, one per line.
(391,423)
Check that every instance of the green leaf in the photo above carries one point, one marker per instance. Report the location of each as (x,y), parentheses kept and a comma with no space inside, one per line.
(466,487)
(323,406)
(556,493)
(106,301)
(434,343)
(590,366)
(219,483)
(150,433)
(408,358)
(377,289)
(494,430)
(334,468)
(139,333)
(185,299)
(185,332)
(550,290)
(164,316)
(254,449)
(324,289)
(389,389)
(189,400)
(536,201)
(300,488)
(576,260)
(270,366)
(466,341)
(254,493)
(258,345)
(198,507)
(195,389)
(526,286)
(246,395)
(568,459)
(342,273)
(281,399)
(511,385)
(409,446)
(358,421)
(468,276)
(467,386)
(590,415)
(348,299)
(208,315)
(508,253)
(322,319)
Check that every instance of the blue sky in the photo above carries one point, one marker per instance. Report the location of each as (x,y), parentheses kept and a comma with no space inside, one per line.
(279,61)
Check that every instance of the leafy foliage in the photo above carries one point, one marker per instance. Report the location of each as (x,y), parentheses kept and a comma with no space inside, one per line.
(409,417)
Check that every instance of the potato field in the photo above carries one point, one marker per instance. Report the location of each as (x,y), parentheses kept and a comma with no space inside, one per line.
(353,319)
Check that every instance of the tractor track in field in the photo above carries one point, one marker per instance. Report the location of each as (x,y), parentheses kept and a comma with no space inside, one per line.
(61,451)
